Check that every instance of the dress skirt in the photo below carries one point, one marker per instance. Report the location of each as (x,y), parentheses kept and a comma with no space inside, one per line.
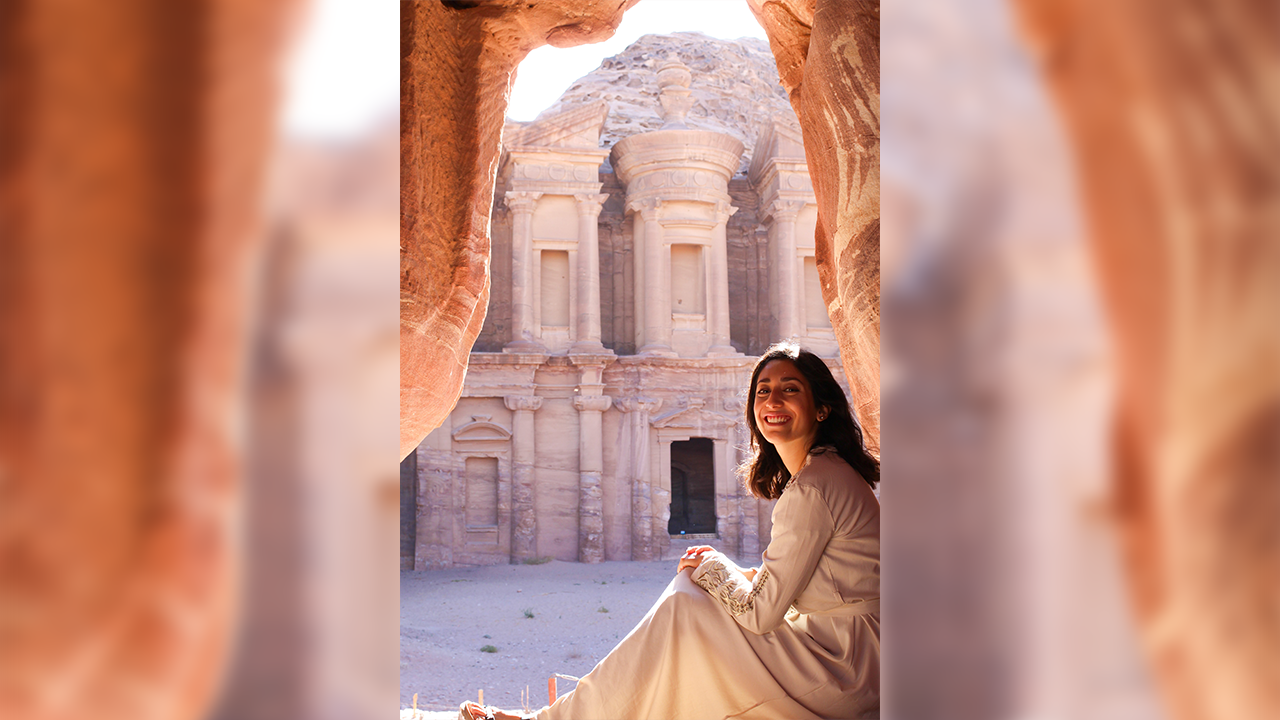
(798,639)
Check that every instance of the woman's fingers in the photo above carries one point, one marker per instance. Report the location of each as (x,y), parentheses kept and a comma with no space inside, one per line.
(692,557)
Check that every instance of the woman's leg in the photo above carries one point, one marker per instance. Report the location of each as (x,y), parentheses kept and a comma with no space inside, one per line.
(686,659)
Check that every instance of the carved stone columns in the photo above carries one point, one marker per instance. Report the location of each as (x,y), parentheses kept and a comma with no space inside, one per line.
(656,280)
(524,526)
(719,316)
(521,205)
(639,410)
(784,283)
(589,205)
(590,468)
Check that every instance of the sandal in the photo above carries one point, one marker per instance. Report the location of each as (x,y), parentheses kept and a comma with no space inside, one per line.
(468,709)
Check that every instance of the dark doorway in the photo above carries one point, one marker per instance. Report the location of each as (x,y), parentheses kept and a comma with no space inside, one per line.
(693,487)
(408,509)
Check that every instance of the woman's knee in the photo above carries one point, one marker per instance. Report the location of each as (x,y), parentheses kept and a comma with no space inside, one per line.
(685,596)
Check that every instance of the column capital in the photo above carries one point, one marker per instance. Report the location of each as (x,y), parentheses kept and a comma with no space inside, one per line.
(734,405)
(589,204)
(596,403)
(649,208)
(784,210)
(724,211)
(522,402)
(638,404)
(522,200)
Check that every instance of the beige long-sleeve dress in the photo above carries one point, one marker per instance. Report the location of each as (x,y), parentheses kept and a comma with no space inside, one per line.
(801,641)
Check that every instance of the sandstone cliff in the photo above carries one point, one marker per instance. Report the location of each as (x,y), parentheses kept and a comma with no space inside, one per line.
(735,87)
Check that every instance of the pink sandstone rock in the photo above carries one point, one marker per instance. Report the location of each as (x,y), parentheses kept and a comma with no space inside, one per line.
(131,166)
(1176,146)
(828,55)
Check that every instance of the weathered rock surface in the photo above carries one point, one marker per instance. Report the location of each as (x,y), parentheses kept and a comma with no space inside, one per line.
(1176,143)
(734,88)
(828,58)
(132,154)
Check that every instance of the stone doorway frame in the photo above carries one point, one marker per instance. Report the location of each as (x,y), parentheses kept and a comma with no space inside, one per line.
(685,423)
(481,438)
(715,533)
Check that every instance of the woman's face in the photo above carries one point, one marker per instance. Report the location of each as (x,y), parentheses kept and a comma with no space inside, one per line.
(783,405)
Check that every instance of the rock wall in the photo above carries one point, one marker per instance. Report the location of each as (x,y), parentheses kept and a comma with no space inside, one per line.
(734,90)
(828,58)
(132,153)
(1175,137)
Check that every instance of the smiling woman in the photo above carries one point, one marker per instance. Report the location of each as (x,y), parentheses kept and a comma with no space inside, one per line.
(798,407)
(796,637)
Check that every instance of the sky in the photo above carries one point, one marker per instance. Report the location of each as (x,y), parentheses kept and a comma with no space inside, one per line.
(344,75)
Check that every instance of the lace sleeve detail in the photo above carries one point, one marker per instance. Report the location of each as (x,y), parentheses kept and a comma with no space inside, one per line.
(731,589)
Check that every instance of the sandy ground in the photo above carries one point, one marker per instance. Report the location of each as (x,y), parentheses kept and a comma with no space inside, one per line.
(579,613)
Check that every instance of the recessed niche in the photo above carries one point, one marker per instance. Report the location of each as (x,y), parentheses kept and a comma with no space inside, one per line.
(481,475)
(688,280)
(815,310)
(555,288)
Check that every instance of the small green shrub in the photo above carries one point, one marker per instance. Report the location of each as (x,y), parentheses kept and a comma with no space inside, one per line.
(603,609)
(528,613)
(489,649)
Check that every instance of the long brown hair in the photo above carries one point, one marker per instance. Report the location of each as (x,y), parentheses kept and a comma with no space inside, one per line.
(764,473)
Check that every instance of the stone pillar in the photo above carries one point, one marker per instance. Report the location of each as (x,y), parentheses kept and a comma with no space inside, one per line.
(588,306)
(724,498)
(719,315)
(638,410)
(660,497)
(590,468)
(524,526)
(657,282)
(637,279)
(521,205)
(787,288)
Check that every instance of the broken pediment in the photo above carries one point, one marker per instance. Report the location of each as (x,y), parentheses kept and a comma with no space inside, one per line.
(480,429)
(779,139)
(577,128)
(695,417)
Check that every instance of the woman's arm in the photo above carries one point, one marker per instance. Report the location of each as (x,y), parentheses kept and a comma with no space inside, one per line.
(802,526)
(692,558)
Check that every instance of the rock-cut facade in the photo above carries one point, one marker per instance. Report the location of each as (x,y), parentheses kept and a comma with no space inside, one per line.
(641,260)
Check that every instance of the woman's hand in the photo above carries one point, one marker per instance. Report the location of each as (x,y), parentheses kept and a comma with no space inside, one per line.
(692,557)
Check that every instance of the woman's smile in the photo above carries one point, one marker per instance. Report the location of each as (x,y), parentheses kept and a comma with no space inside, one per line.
(784,408)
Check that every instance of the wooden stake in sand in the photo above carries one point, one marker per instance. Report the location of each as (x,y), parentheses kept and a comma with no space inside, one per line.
(481,696)
(415,705)
(551,690)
